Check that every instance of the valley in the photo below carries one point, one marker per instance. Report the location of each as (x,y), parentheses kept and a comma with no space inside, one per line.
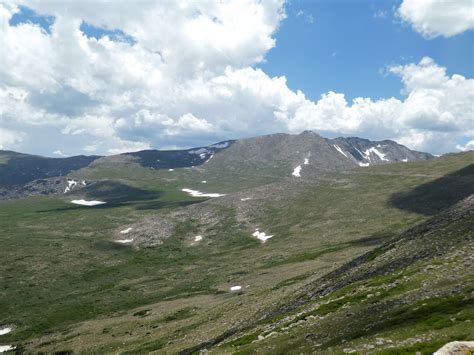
(368,248)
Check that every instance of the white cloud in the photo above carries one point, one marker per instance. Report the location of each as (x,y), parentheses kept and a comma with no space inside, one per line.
(468,146)
(118,94)
(434,18)
(9,139)
(60,153)
(189,80)
(436,112)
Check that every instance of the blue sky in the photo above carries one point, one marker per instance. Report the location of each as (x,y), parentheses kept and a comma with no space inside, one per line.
(348,44)
(125,76)
(336,45)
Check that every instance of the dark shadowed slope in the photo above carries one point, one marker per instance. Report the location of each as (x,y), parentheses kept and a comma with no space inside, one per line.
(172,159)
(437,195)
(17,169)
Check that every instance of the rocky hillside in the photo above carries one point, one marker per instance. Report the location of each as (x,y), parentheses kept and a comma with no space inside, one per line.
(309,154)
(413,293)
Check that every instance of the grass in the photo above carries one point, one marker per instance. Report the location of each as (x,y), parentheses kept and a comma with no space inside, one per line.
(184,313)
(59,267)
(432,313)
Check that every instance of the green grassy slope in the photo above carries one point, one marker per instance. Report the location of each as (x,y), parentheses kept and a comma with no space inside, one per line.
(65,285)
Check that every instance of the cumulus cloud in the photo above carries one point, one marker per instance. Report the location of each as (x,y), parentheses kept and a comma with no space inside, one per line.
(434,18)
(120,95)
(436,111)
(60,153)
(9,139)
(468,146)
(189,78)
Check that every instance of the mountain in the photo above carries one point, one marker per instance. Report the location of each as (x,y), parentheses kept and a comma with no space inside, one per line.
(364,259)
(272,156)
(309,154)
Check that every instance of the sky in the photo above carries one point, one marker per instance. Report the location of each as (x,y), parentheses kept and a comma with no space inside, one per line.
(107,77)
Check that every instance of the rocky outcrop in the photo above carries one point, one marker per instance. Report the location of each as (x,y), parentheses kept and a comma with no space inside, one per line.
(456,348)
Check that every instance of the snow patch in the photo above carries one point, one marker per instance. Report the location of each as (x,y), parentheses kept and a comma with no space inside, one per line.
(125,231)
(170,169)
(203,182)
(198,151)
(261,235)
(339,149)
(306,161)
(88,203)
(202,155)
(71,182)
(5,330)
(4,348)
(235,288)
(245,198)
(70,185)
(297,171)
(376,152)
(363,164)
(198,238)
(212,156)
(405,160)
(124,241)
(219,145)
(196,193)
(84,183)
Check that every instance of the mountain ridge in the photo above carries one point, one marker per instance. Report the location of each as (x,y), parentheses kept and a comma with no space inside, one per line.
(279,155)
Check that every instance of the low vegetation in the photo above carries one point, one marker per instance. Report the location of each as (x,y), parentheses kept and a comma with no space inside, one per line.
(67,285)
